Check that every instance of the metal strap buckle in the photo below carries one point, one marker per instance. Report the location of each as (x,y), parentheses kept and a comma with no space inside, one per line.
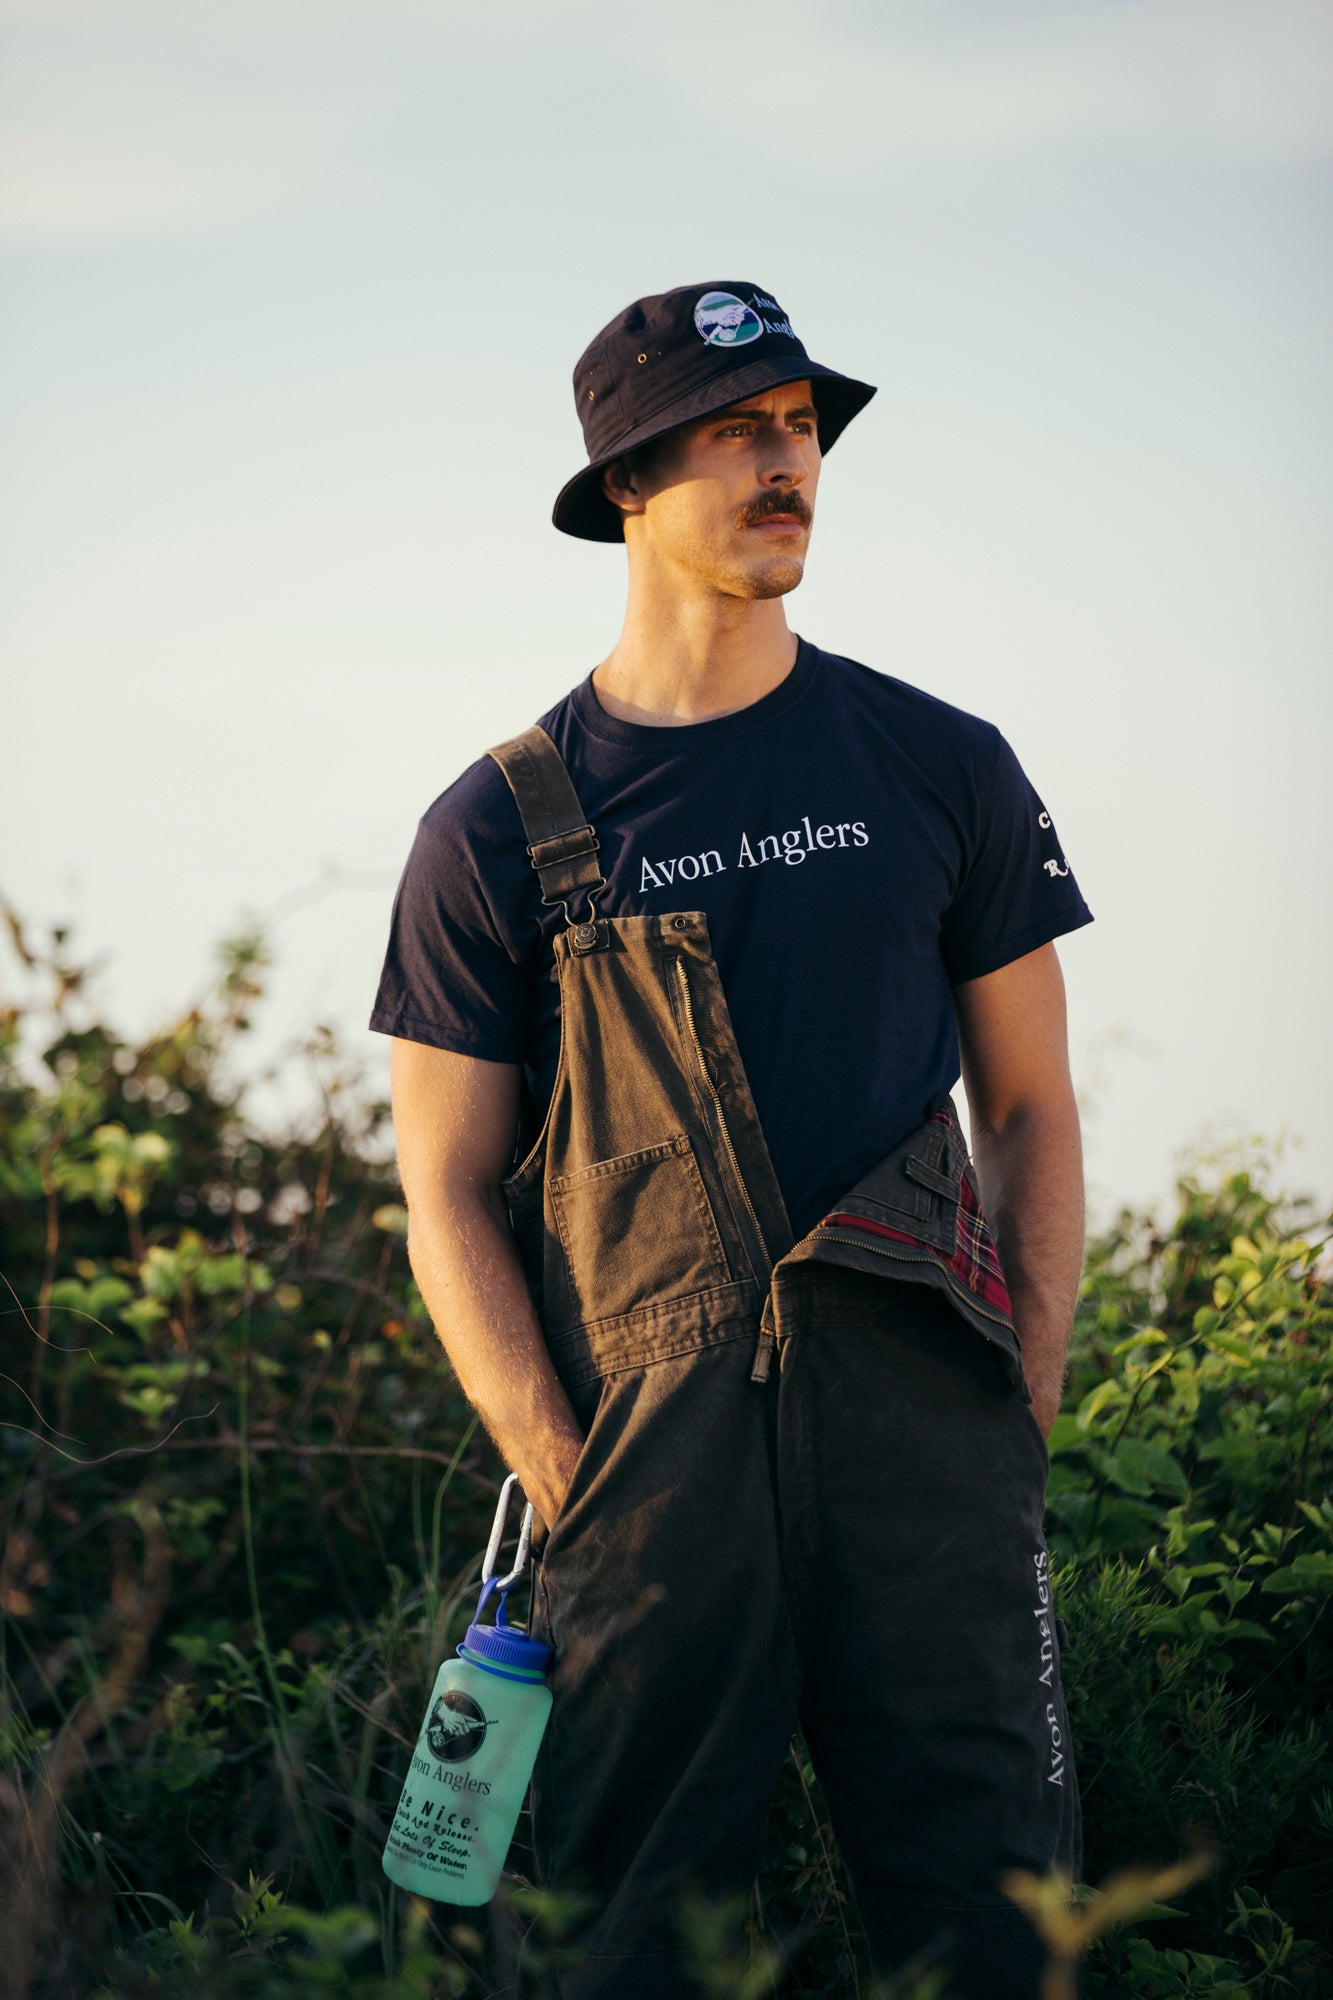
(569,846)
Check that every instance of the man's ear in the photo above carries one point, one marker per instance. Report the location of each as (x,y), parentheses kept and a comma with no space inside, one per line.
(623,485)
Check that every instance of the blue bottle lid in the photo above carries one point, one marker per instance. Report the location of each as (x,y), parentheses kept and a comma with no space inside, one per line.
(506,1646)
(502,1646)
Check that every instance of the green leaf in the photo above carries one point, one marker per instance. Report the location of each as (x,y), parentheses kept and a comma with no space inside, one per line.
(1108,1391)
(95,1298)
(222,1274)
(1142,1468)
(143,1315)
(1309,1575)
(1122,1471)
(1147,1336)
(1065,1434)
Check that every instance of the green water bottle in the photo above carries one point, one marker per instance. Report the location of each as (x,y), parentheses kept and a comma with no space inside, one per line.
(478,1743)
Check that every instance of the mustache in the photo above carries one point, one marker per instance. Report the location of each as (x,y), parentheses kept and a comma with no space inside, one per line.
(775,501)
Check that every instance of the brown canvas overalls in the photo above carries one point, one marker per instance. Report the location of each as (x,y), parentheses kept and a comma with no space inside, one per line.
(851,1539)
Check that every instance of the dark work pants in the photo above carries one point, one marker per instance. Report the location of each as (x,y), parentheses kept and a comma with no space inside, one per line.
(856,1545)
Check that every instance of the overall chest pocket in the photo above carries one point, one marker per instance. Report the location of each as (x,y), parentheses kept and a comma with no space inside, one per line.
(637,1231)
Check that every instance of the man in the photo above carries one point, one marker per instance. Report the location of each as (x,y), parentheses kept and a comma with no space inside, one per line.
(709,940)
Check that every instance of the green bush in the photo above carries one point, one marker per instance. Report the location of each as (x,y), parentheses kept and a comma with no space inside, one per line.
(245,1503)
(1191,1520)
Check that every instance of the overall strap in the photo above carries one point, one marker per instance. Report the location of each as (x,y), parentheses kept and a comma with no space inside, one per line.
(561,845)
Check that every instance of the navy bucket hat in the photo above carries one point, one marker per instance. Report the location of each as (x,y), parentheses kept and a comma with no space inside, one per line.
(677,356)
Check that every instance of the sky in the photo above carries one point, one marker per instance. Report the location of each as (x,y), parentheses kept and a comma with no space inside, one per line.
(291,298)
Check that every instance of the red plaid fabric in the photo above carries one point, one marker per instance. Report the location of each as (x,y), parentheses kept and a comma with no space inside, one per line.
(975,1262)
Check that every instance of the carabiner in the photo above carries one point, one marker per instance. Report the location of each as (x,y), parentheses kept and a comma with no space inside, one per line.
(488,1576)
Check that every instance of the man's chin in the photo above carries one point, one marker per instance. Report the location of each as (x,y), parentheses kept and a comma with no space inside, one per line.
(775,575)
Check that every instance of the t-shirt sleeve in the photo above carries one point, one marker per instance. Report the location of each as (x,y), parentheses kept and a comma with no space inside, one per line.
(1017,890)
(457,970)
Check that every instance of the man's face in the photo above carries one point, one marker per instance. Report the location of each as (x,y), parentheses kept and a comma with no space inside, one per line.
(729,499)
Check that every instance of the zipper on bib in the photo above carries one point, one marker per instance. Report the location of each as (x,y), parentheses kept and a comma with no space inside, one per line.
(723,1127)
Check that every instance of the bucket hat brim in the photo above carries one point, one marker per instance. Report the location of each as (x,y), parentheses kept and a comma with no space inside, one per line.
(582,508)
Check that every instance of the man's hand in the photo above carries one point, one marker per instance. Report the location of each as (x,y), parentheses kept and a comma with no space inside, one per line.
(455,1118)
(1025,1139)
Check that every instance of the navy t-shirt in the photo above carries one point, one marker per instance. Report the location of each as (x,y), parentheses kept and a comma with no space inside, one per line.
(859,848)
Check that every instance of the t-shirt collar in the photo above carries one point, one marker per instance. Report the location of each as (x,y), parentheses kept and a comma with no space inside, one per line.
(668,739)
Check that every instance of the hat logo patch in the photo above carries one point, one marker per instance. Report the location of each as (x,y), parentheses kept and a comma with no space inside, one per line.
(723,320)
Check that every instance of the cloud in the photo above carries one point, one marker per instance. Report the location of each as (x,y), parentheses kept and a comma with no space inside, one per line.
(140,120)
(1247,80)
(59,182)
(145,118)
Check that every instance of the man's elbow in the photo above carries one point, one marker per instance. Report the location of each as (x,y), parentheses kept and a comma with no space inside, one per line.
(1049,1108)
(452,1205)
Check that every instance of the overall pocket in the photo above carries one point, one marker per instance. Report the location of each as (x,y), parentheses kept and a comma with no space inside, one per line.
(637,1231)
(916,1187)
(587,1400)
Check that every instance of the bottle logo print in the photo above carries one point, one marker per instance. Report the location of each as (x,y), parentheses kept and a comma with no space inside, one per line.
(723,320)
(455,1728)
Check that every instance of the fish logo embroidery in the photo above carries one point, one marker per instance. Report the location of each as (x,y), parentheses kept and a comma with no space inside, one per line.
(723,320)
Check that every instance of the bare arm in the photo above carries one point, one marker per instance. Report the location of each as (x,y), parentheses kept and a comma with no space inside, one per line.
(1028,1150)
(454,1117)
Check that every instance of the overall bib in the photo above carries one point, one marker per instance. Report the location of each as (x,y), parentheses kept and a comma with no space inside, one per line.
(807,1493)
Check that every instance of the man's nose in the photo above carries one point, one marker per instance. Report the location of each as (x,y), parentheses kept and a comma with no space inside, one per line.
(784,460)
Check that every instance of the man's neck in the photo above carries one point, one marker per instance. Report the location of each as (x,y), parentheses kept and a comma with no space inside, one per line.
(691,662)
